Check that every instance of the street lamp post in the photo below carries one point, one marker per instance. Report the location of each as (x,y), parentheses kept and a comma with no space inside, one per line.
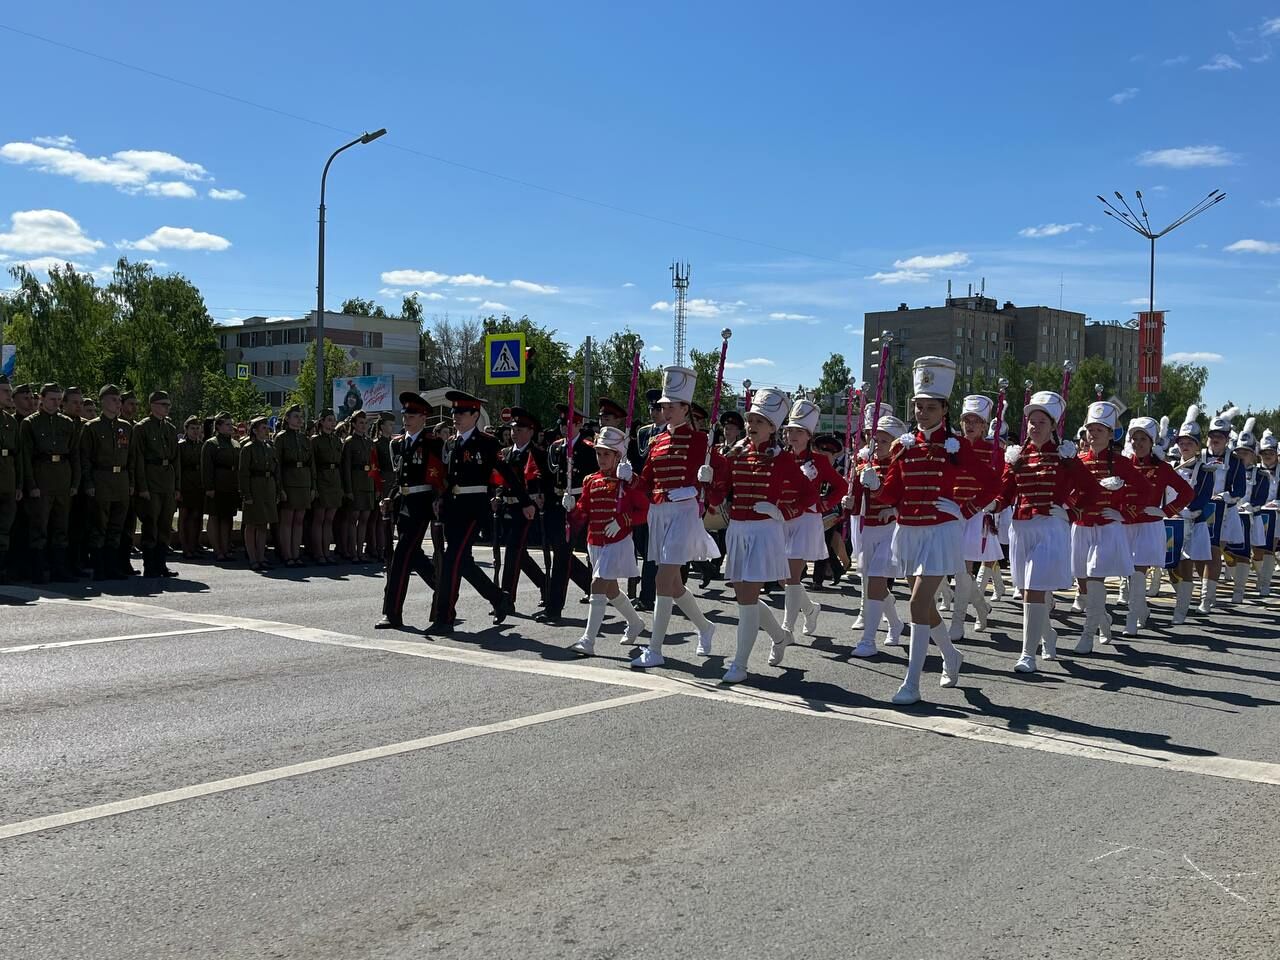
(319,398)
(1142,227)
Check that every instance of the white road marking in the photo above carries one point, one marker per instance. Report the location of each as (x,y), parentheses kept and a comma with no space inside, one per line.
(1214,880)
(312,766)
(1047,741)
(131,636)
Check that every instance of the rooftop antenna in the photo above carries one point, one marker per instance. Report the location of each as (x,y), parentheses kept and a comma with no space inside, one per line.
(680,281)
(984,287)
(1061,283)
(948,289)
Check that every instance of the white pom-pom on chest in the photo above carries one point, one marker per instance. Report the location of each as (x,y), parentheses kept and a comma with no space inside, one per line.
(952,445)
(1012,454)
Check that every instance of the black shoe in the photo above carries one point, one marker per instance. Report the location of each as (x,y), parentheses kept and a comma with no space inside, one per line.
(549,617)
(439,628)
(642,606)
(502,609)
(386,623)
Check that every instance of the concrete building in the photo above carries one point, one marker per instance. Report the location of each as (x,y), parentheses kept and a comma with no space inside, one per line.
(1119,344)
(274,349)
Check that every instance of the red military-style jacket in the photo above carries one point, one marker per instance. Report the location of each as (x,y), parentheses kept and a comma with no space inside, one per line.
(757,476)
(922,471)
(1039,480)
(1128,500)
(673,461)
(599,504)
(1161,477)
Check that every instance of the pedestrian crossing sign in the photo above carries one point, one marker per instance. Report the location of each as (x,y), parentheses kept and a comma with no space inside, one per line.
(504,353)
(242,371)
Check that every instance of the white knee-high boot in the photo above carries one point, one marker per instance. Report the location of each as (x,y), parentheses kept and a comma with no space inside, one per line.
(1182,601)
(706,630)
(893,620)
(1033,621)
(1239,580)
(1102,616)
(960,607)
(587,643)
(799,609)
(867,645)
(909,692)
(862,600)
(1091,619)
(945,598)
(951,657)
(651,656)
(997,577)
(1137,594)
(1208,593)
(1154,578)
(780,638)
(635,626)
(1265,573)
(980,583)
(748,627)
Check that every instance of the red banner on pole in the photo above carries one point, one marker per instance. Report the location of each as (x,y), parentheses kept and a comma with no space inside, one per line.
(1150,350)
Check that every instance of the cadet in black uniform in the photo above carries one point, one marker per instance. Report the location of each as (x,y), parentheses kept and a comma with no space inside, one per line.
(527,461)
(472,459)
(565,564)
(415,480)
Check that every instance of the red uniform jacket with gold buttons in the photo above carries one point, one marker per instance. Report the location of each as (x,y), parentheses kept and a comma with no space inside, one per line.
(921,472)
(1128,500)
(757,476)
(599,504)
(1039,480)
(673,461)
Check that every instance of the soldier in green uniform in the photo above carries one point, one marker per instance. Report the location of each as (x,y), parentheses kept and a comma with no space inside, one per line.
(10,472)
(129,414)
(297,484)
(357,484)
(326,457)
(191,489)
(220,476)
(381,528)
(81,511)
(51,472)
(157,478)
(106,470)
(258,473)
(24,404)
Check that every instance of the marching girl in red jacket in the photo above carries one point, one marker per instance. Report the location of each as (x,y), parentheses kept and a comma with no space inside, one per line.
(806,538)
(981,538)
(610,509)
(1041,479)
(1146,531)
(674,473)
(929,466)
(767,489)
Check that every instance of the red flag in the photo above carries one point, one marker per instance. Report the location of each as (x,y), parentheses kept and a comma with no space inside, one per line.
(531,469)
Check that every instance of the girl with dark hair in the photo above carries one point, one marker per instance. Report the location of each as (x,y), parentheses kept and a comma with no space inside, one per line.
(326,454)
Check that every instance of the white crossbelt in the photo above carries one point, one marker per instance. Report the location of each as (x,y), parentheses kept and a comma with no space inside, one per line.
(457,491)
(418,488)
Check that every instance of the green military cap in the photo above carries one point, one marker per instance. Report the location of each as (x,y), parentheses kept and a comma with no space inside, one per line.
(158,396)
(73,390)
(326,412)
(110,390)
(386,416)
(21,389)
(191,420)
(128,395)
(295,408)
(222,415)
(257,422)
(50,388)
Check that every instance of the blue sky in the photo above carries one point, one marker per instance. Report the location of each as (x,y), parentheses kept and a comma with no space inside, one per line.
(813,162)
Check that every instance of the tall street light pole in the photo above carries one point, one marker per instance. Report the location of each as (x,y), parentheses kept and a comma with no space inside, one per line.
(1142,227)
(320,398)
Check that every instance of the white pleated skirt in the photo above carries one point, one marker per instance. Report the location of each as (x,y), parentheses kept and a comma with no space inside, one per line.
(928,551)
(1040,553)
(1232,531)
(1197,545)
(875,558)
(1146,543)
(1257,532)
(981,543)
(755,551)
(614,561)
(676,534)
(806,540)
(1101,551)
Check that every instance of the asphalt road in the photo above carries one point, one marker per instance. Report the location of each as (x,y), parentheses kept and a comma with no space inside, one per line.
(240,766)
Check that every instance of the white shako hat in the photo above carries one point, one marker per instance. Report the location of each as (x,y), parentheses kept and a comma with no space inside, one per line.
(677,385)
(1145,425)
(932,378)
(892,426)
(1191,425)
(1268,441)
(1047,402)
(886,410)
(979,406)
(1248,439)
(804,414)
(1221,422)
(1107,414)
(611,438)
(770,404)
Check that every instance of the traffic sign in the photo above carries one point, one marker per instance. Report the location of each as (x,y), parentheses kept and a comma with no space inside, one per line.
(242,371)
(504,356)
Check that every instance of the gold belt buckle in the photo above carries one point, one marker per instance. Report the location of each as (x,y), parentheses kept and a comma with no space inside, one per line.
(115,469)
(55,458)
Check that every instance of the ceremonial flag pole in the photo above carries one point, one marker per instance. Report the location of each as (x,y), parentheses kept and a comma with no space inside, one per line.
(725,334)
(631,400)
(568,455)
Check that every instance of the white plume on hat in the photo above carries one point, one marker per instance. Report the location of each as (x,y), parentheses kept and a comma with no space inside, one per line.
(611,438)
(804,414)
(1191,425)
(770,404)
(1221,422)
(1268,441)
(678,384)
(1248,439)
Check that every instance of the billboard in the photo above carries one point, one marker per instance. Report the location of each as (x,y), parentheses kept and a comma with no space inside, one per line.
(8,357)
(1150,350)
(362,393)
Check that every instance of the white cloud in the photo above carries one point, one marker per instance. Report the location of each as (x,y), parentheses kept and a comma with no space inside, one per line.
(473,280)
(758,362)
(46,232)
(491,305)
(1194,356)
(1124,96)
(790,316)
(1221,61)
(216,194)
(899,276)
(699,307)
(1271,203)
(627,285)
(1138,302)
(1048,229)
(1174,61)
(938,262)
(1183,157)
(130,171)
(177,238)
(655,349)
(852,330)
(44,264)
(420,294)
(1270,28)
(529,287)
(169,188)
(413,278)
(1253,246)
(730,365)
(468,299)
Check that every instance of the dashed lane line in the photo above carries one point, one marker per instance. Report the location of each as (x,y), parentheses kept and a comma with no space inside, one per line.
(1045,741)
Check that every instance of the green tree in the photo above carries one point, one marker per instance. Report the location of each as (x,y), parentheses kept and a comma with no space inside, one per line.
(611,361)
(836,377)
(547,377)
(411,309)
(359,307)
(705,364)
(1181,385)
(336,365)
(240,398)
(58,328)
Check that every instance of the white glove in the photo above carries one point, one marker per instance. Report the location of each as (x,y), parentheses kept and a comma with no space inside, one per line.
(1245,509)
(568,501)
(625,472)
(869,479)
(991,507)
(943,505)
(849,503)
(1060,513)
(1153,512)
(1111,483)
(765,508)
(681,493)
(1112,516)
(612,528)
(705,473)
(809,470)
